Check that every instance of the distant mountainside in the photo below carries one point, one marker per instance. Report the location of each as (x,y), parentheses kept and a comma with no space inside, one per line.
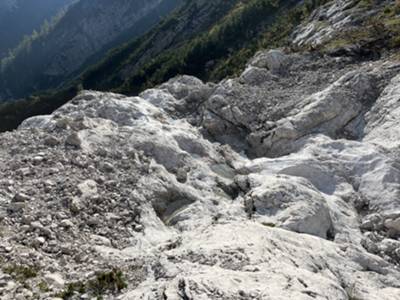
(207,39)
(198,40)
(191,21)
(211,40)
(22,17)
(87,30)
(6,6)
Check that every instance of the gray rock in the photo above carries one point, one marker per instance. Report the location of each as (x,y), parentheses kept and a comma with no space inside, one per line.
(55,279)
(74,140)
(289,202)
(279,184)
(87,188)
(273,60)
(21,197)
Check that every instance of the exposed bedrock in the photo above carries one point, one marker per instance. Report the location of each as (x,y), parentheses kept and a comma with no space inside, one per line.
(282,183)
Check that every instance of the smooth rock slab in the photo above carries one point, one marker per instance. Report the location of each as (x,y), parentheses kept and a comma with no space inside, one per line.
(288,202)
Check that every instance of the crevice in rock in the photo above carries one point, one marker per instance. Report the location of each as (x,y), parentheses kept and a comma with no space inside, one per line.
(310,293)
(167,205)
(164,295)
(330,234)
(182,290)
(242,133)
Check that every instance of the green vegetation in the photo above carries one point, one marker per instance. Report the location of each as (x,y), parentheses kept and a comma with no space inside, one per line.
(72,289)
(13,113)
(26,43)
(381,31)
(110,73)
(219,48)
(20,273)
(275,35)
(105,282)
(43,287)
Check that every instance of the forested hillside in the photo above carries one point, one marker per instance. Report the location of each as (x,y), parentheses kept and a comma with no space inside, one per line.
(19,18)
(212,40)
(160,53)
(77,39)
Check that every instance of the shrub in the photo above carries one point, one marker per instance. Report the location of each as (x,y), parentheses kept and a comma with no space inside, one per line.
(104,282)
(21,273)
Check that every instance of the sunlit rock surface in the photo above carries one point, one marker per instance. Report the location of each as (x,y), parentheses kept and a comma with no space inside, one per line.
(282,183)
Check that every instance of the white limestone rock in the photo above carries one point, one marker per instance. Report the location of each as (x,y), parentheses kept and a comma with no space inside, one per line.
(152,192)
(326,112)
(289,202)
(383,119)
(274,60)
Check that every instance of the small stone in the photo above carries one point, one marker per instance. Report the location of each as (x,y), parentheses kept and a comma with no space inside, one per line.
(26,294)
(27,219)
(107,167)
(37,160)
(24,171)
(66,223)
(181,175)
(75,205)
(16,207)
(74,140)
(372,222)
(55,279)
(393,224)
(139,228)
(63,123)
(100,240)
(20,197)
(39,241)
(5,278)
(51,141)
(24,228)
(93,221)
(87,188)
(36,225)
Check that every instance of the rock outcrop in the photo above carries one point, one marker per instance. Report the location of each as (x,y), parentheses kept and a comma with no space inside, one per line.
(141,185)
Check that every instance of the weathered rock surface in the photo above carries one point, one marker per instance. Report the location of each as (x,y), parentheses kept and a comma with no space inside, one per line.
(334,18)
(283,183)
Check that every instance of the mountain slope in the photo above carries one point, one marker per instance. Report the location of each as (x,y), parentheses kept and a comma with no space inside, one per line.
(179,32)
(87,30)
(280,183)
(190,21)
(22,17)
(215,39)
(235,25)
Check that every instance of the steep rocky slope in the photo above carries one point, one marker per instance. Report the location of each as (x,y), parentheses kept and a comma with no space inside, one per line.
(206,39)
(22,17)
(86,32)
(199,40)
(162,50)
(282,183)
(214,40)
